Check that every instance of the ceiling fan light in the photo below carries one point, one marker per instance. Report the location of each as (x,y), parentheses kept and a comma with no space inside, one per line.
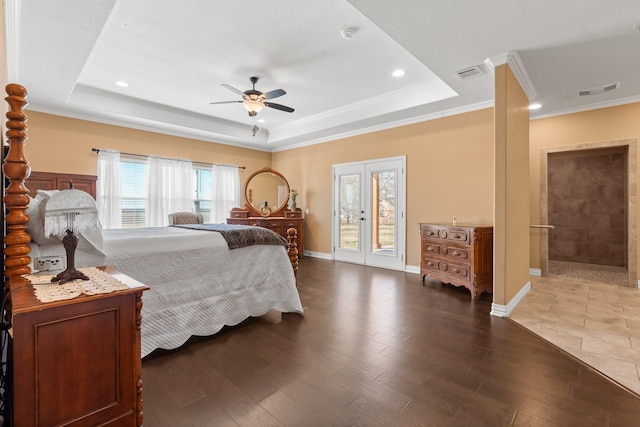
(253,106)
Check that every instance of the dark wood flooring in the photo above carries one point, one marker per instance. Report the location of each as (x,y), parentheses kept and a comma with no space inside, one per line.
(378,348)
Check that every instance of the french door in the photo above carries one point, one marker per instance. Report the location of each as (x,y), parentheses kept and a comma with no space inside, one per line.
(369,213)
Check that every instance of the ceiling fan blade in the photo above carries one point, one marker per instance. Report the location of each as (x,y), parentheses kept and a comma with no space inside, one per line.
(233,89)
(226,102)
(274,93)
(279,107)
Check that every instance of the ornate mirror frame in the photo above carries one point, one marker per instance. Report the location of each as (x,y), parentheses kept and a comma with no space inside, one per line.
(248,197)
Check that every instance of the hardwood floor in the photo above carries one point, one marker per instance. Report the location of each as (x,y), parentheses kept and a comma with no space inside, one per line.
(378,348)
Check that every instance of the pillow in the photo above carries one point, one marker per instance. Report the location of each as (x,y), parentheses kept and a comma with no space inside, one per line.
(35,226)
(45,194)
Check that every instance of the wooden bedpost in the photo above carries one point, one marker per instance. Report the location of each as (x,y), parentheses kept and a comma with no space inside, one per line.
(16,168)
(292,237)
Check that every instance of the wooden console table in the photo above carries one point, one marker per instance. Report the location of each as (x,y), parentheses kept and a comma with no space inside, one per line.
(77,361)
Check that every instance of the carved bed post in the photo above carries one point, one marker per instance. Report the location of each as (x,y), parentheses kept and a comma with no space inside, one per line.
(16,168)
(292,237)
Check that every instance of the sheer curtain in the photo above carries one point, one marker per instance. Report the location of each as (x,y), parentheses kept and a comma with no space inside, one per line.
(108,193)
(169,188)
(225,191)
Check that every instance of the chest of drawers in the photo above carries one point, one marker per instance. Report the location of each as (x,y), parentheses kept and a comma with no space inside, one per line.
(278,224)
(461,255)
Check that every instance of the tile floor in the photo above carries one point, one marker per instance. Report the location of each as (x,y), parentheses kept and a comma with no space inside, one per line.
(596,321)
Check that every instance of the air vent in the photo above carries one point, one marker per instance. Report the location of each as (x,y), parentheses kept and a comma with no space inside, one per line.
(610,87)
(471,72)
(599,90)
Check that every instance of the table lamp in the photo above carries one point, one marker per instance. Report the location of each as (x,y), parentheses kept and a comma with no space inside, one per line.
(67,213)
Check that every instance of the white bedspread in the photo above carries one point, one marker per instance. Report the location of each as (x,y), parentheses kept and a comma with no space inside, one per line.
(197,285)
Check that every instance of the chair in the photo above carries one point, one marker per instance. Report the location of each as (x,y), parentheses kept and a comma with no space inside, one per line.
(185,218)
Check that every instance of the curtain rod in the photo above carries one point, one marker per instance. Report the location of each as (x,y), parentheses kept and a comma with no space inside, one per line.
(97,150)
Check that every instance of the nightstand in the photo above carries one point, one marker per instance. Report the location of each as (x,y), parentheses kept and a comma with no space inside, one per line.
(77,361)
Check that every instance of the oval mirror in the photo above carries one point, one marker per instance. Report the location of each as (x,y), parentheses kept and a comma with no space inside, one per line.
(266,186)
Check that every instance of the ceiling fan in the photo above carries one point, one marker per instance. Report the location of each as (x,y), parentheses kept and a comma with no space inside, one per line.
(254,100)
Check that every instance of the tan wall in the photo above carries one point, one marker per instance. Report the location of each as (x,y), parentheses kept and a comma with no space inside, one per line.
(511,228)
(449,164)
(59,144)
(445,157)
(449,172)
(588,127)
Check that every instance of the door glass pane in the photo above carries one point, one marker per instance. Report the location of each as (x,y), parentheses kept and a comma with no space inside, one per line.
(349,210)
(383,212)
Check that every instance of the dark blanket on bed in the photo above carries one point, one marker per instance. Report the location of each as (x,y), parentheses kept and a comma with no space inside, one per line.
(239,236)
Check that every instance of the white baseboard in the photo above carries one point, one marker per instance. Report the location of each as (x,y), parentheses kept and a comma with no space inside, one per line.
(314,254)
(505,310)
(415,269)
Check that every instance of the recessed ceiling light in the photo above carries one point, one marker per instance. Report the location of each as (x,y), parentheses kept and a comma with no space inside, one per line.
(122,84)
(262,121)
(398,73)
(534,106)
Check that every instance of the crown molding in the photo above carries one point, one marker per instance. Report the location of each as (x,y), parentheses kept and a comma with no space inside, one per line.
(516,65)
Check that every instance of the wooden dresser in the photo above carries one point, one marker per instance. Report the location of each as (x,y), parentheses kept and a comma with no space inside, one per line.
(458,254)
(279,224)
(77,362)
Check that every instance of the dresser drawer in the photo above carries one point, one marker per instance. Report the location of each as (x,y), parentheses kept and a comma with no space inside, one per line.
(430,248)
(429,231)
(457,252)
(237,221)
(455,234)
(271,225)
(239,214)
(430,264)
(292,223)
(455,269)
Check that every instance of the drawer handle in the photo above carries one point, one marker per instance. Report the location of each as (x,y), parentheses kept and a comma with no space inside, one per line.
(430,249)
(456,270)
(456,253)
(430,264)
(431,233)
(457,236)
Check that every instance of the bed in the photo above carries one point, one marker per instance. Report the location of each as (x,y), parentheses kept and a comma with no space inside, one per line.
(197,284)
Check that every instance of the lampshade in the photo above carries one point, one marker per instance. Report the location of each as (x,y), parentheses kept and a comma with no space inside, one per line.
(253,107)
(70,209)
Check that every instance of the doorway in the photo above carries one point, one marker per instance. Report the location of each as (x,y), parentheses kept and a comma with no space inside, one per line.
(369,212)
(588,197)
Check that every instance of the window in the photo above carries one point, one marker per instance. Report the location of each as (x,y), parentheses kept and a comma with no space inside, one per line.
(134,188)
(136,203)
(202,192)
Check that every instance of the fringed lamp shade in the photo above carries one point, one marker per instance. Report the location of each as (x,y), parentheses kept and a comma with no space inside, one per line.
(66,213)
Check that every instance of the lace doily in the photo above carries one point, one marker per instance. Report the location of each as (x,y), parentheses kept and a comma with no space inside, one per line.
(99,283)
